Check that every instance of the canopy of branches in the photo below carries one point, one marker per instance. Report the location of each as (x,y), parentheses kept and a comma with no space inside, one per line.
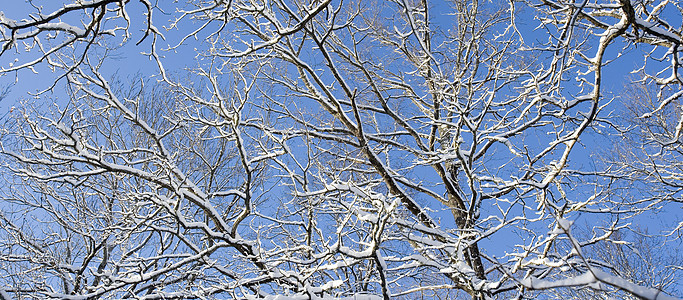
(342,149)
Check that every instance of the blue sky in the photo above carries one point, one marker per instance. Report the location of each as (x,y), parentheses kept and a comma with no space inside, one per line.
(127,63)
